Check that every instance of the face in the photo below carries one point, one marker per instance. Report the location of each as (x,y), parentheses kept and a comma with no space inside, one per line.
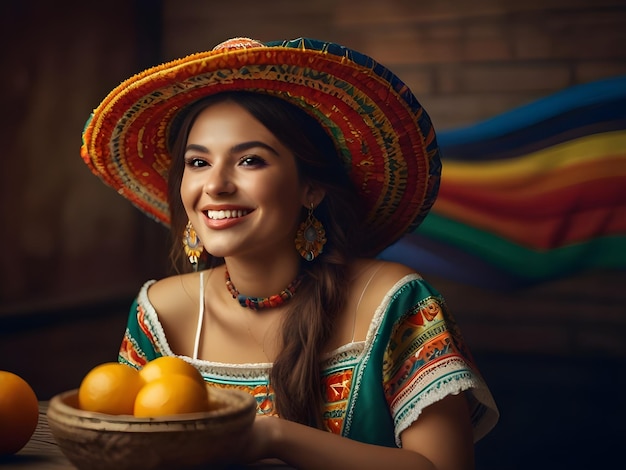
(240,186)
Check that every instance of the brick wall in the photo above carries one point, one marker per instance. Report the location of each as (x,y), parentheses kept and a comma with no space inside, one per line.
(465,61)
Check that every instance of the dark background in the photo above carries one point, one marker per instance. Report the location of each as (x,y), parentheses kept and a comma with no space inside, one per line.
(74,253)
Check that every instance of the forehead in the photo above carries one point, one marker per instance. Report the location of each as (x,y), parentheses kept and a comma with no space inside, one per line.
(226,118)
(227,126)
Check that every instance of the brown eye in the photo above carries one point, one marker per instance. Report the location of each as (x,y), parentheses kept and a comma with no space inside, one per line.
(195,162)
(252,161)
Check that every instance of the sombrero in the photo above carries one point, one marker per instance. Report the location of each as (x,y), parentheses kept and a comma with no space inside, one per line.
(380,130)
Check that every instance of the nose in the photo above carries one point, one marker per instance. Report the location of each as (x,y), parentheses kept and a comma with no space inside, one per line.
(218,181)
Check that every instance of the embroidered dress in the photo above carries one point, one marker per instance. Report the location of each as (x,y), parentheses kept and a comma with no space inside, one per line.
(412,357)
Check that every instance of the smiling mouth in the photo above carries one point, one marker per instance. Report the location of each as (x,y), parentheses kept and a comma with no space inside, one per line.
(226,214)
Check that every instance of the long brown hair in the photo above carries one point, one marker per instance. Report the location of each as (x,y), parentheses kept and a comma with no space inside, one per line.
(311,314)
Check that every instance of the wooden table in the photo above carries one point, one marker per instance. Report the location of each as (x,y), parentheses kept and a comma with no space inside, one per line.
(43,453)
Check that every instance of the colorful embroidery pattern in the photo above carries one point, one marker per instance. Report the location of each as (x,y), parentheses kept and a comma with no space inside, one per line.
(336,392)
(423,337)
(425,357)
(130,352)
(262,393)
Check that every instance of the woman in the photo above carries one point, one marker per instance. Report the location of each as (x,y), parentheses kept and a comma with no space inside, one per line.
(289,167)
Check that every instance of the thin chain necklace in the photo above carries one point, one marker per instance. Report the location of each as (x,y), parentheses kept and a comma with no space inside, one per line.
(258,303)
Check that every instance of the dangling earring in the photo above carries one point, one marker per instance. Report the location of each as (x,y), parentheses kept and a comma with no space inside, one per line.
(192,245)
(311,237)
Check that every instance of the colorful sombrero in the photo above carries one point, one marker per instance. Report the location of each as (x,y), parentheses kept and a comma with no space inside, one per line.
(380,130)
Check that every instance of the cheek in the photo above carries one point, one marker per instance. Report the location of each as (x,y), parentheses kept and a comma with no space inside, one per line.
(188,191)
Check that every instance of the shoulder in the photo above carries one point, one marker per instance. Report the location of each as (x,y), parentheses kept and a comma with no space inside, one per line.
(373,282)
(383,283)
(171,293)
(378,277)
(176,294)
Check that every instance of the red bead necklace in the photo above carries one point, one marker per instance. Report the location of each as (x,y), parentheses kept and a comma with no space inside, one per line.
(258,303)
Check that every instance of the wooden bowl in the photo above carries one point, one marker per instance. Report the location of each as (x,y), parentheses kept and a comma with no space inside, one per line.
(97,441)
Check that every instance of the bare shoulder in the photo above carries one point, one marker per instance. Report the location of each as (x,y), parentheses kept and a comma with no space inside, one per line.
(372,280)
(379,276)
(171,293)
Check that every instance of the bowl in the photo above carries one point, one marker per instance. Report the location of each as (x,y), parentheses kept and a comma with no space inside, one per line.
(97,441)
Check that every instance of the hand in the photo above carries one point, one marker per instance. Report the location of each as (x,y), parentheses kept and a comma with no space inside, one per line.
(256,443)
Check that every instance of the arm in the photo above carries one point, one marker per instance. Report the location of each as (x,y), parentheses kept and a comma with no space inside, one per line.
(440,439)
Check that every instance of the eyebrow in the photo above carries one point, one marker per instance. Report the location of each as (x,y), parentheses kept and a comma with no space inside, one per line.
(242,147)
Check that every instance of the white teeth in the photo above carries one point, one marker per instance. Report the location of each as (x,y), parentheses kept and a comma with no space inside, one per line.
(227,214)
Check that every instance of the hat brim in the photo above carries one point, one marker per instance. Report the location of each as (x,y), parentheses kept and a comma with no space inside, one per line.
(381,132)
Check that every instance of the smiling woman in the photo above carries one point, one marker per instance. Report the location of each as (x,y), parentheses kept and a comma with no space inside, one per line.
(285,168)
(242,168)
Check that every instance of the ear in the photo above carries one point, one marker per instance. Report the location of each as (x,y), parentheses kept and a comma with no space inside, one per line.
(312,195)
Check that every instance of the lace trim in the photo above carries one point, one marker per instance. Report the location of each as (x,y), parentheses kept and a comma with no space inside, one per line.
(448,378)
(343,355)
(153,321)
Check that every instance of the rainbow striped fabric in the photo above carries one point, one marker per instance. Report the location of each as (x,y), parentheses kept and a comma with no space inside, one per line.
(530,195)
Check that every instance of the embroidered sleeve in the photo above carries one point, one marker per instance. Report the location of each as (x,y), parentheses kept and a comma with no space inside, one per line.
(427,360)
(139,344)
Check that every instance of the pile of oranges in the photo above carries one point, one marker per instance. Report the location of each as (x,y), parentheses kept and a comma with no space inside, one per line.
(167,385)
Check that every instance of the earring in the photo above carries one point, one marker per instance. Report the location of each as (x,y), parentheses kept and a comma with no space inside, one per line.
(311,237)
(192,245)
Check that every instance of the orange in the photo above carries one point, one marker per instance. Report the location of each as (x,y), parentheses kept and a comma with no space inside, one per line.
(169,395)
(110,388)
(19,412)
(169,365)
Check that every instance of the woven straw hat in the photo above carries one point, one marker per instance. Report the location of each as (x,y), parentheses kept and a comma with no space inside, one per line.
(381,131)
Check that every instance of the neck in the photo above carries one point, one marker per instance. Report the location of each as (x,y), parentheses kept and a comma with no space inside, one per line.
(260,278)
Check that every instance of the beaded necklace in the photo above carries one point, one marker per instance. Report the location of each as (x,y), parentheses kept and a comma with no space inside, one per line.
(258,303)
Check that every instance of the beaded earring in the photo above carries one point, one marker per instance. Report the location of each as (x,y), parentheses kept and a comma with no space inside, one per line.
(192,245)
(311,237)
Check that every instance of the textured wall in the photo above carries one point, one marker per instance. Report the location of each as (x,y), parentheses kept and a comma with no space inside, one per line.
(66,237)
(70,240)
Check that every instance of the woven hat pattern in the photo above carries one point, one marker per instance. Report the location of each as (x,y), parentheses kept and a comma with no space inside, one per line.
(383,135)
